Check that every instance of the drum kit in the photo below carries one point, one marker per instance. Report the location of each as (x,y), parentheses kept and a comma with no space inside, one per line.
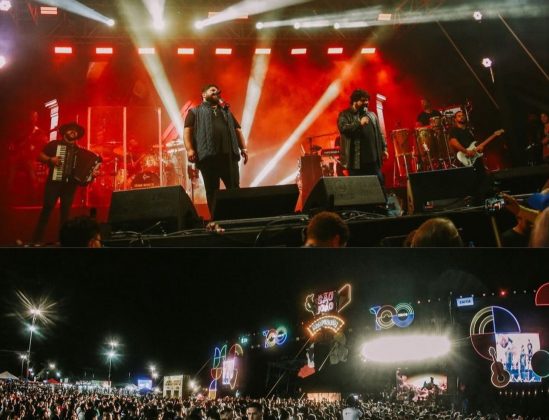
(424,148)
(141,168)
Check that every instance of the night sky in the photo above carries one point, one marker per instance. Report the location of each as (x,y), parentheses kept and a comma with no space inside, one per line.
(171,307)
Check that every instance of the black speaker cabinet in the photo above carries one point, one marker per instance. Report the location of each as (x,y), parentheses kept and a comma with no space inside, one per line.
(138,210)
(440,185)
(248,203)
(345,192)
(522,180)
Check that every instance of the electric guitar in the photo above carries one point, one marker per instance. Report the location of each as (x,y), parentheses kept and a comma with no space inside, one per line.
(469,161)
(500,377)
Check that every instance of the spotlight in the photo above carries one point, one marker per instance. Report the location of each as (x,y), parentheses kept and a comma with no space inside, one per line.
(384,16)
(259,25)
(63,50)
(48,10)
(199,24)
(5,5)
(477,16)
(369,50)
(111,22)
(299,51)
(185,51)
(297,25)
(502,292)
(104,50)
(3,61)
(337,25)
(223,51)
(486,62)
(333,51)
(262,51)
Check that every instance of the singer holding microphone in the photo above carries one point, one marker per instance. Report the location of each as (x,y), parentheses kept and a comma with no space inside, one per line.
(214,142)
(363,145)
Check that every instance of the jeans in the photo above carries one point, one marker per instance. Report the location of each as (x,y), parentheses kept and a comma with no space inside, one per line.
(216,168)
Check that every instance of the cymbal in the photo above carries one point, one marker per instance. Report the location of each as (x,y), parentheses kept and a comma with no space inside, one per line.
(175,143)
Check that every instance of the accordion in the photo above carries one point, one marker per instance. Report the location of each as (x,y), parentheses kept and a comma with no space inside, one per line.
(77,165)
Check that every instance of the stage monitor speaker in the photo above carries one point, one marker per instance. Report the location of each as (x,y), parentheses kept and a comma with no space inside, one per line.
(440,185)
(522,180)
(249,203)
(139,210)
(345,192)
(310,172)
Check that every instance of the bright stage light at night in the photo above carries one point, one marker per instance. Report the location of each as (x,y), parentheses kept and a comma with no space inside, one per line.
(104,50)
(110,22)
(63,50)
(80,9)
(3,61)
(185,51)
(404,348)
(384,17)
(159,25)
(486,62)
(259,25)
(48,10)
(5,5)
(477,15)
(223,51)
(335,51)
(262,51)
(299,51)
(368,51)
(146,51)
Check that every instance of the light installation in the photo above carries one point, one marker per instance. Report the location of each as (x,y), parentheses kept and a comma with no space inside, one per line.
(387,316)
(542,295)
(225,367)
(325,307)
(275,337)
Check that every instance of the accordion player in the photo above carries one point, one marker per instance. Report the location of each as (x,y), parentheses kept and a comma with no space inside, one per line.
(76,165)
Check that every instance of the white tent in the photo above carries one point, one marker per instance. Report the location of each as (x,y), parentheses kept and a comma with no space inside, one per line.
(7,376)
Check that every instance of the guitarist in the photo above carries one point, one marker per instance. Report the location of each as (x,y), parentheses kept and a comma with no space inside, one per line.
(460,138)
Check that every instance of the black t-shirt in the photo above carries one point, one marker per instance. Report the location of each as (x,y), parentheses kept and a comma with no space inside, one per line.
(424,117)
(462,135)
(221,135)
(510,238)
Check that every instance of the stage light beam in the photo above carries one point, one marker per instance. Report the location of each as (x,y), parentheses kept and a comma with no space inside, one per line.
(80,9)
(5,5)
(401,348)
(3,61)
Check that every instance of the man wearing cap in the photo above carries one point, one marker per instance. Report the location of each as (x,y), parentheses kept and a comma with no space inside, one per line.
(62,190)
(363,145)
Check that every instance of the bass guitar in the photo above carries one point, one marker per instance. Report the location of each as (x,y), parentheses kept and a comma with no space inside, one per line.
(469,161)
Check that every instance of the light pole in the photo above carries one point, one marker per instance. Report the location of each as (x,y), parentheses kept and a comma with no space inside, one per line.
(35,312)
(111,354)
(23,357)
(154,374)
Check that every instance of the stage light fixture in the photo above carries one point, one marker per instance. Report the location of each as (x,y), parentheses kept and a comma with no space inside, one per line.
(3,61)
(297,25)
(259,25)
(503,293)
(487,62)
(337,25)
(104,50)
(384,16)
(335,51)
(223,51)
(263,51)
(477,15)
(48,10)
(159,24)
(63,50)
(368,50)
(185,51)
(146,51)
(199,24)
(110,22)
(299,51)
(5,5)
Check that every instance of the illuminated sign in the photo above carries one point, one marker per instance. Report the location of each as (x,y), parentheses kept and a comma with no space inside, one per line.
(469,301)
(275,337)
(225,367)
(328,302)
(387,316)
(325,306)
(326,322)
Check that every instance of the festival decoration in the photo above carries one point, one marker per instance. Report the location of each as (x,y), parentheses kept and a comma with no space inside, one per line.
(325,307)
(387,316)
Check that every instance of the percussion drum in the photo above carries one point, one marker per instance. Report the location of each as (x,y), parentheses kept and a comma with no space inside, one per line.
(149,163)
(401,141)
(145,180)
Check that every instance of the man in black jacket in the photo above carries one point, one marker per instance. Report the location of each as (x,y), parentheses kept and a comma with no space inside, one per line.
(363,146)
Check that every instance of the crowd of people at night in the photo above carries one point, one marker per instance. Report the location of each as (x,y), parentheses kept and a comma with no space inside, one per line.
(29,401)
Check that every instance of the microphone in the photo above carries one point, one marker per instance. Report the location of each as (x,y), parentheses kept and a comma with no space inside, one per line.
(222,103)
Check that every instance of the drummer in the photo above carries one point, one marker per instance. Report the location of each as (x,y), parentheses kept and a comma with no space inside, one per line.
(424,118)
